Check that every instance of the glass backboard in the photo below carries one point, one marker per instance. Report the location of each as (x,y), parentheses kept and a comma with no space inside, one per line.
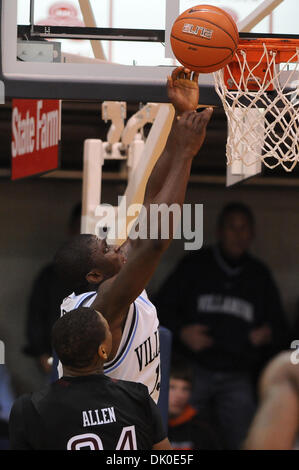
(88,49)
(111,49)
(116,15)
(277,17)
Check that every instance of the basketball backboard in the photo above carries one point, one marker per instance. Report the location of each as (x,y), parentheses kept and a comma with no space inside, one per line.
(102,45)
(113,49)
(258,16)
(116,50)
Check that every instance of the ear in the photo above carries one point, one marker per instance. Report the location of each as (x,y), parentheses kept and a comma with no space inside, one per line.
(102,352)
(94,277)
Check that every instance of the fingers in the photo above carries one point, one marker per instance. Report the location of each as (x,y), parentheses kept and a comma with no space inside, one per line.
(177,73)
(187,74)
(197,120)
(205,116)
(202,119)
(169,82)
(184,73)
(181,73)
(195,77)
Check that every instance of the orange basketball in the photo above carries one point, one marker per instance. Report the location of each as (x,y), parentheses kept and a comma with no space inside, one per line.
(204,38)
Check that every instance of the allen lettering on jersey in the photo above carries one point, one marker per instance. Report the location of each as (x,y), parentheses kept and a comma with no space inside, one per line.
(147,351)
(96,417)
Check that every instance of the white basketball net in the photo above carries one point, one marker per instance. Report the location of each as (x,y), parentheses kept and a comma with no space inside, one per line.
(262,126)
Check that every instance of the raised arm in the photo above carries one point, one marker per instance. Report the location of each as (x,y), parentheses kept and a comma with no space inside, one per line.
(184,142)
(183,92)
(167,185)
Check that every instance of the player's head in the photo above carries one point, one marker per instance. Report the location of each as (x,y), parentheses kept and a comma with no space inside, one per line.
(180,389)
(235,229)
(85,261)
(82,340)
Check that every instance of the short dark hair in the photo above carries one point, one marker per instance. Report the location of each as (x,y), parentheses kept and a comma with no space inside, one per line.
(182,372)
(232,208)
(77,335)
(73,261)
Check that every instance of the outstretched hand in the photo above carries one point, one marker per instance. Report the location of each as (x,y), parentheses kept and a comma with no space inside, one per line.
(183,90)
(188,132)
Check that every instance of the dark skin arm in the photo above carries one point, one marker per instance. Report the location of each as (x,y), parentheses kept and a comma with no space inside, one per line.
(276,423)
(184,142)
(183,92)
(167,185)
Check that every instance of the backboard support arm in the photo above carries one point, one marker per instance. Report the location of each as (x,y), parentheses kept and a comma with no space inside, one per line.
(90,21)
(261,12)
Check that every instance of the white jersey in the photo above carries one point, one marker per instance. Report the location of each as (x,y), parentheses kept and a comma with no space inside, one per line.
(138,355)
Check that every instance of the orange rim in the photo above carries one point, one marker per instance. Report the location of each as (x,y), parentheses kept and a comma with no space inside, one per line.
(285,49)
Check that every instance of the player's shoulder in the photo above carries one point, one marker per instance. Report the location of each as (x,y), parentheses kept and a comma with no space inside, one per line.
(68,300)
(134,389)
(19,402)
(144,301)
(38,397)
(23,405)
(73,300)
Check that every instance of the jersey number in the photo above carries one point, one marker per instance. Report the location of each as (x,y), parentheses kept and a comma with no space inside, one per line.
(126,441)
(157,382)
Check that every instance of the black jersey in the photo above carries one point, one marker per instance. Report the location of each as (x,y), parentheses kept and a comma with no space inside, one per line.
(89,412)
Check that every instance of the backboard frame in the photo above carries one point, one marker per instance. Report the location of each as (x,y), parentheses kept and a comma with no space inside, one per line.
(89,81)
(81,81)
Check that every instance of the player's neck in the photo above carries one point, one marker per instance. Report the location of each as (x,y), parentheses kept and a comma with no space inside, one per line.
(73,372)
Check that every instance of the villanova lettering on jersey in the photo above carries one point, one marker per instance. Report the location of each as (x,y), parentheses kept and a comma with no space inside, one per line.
(212,303)
(147,351)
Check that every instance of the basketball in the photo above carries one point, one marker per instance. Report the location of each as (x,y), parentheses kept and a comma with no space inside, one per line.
(204,38)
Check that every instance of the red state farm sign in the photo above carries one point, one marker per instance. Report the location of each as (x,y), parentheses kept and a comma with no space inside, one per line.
(36,131)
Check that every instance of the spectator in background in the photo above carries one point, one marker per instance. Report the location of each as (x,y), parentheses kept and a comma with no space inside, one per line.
(44,305)
(224,310)
(187,430)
